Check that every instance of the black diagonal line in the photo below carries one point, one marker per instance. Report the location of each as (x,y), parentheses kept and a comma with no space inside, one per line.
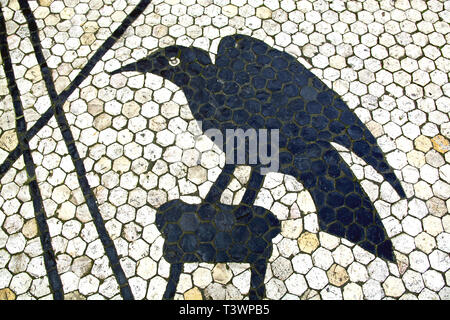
(64,126)
(84,73)
(254,184)
(21,127)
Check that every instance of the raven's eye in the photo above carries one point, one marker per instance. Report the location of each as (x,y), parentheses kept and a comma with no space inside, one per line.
(174,61)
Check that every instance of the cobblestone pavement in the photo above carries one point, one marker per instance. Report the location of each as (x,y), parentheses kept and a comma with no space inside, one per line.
(141,147)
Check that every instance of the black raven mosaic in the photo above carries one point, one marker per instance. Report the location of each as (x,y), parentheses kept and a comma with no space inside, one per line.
(252,85)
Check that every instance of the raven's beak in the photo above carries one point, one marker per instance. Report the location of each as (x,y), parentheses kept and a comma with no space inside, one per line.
(128,67)
(144,66)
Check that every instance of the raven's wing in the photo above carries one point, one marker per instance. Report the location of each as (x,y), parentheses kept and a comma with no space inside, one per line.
(310,116)
(343,125)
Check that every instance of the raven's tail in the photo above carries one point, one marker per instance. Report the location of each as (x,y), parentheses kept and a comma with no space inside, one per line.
(343,208)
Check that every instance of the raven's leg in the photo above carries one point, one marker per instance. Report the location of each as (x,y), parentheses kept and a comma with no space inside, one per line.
(254,184)
(220,184)
(175,271)
(343,208)
(257,287)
